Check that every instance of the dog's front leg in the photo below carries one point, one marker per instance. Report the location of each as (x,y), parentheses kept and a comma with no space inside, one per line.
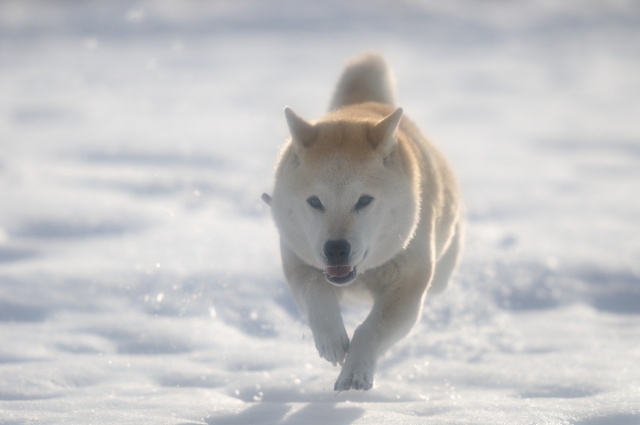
(316,298)
(325,321)
(394,313)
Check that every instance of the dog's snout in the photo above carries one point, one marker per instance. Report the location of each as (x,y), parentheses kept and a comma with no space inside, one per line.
(337,252)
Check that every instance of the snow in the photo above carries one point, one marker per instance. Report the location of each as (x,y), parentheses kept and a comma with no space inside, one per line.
(140,278)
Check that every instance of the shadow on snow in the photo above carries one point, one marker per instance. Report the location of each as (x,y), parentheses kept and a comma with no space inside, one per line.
(277,413)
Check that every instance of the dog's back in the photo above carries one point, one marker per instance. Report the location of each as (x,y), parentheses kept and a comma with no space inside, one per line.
(367,78)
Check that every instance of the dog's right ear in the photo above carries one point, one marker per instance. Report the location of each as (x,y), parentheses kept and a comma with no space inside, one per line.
(384,133)
(302,133)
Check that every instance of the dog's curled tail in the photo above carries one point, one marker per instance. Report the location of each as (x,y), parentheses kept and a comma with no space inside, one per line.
(366,78)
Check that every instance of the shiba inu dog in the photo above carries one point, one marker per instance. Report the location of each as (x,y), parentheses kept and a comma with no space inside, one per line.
(363,200)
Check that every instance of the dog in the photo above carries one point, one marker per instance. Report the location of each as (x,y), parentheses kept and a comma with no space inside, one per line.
(362,200)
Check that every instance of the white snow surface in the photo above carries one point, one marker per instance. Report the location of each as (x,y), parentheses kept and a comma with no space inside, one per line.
(140,278)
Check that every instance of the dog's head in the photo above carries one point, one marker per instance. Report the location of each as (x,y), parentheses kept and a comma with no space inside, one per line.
(346,197)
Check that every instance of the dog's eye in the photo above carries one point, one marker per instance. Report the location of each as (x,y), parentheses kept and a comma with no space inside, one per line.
(363,202)
(315,203)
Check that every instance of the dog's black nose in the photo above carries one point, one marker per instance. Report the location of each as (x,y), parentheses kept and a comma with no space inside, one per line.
(337,252)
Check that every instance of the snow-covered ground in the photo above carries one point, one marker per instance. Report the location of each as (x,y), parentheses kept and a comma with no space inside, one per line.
(140,278)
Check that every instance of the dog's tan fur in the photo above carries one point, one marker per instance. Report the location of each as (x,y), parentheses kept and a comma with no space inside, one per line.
(406,242)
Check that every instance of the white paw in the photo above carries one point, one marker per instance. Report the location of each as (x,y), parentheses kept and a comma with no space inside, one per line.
(356,375)
(332,343)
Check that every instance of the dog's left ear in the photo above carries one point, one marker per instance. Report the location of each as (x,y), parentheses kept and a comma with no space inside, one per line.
(302,133)
(384,135)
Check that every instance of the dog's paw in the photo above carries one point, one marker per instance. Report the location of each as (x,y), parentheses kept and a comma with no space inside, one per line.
(332,344)
(354,377)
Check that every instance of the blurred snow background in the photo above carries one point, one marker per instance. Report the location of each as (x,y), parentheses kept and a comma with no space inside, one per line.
(140,279)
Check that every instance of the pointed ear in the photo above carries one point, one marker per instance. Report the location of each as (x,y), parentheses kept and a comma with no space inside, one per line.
(383,134)
(302,132)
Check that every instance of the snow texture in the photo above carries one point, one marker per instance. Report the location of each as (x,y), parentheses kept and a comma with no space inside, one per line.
(140,279)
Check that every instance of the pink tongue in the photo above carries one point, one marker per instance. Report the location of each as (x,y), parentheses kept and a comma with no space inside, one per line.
(338,271)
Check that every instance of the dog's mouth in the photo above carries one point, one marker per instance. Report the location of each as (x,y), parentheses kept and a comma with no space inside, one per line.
(340,275)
